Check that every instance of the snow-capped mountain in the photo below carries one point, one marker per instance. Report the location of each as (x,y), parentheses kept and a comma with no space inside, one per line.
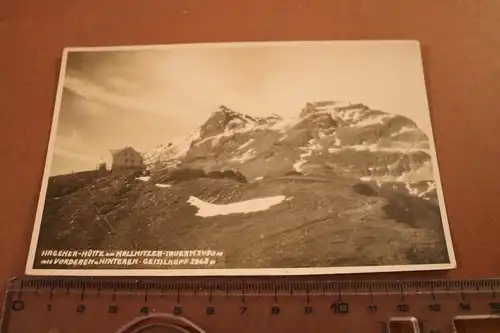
(326,138)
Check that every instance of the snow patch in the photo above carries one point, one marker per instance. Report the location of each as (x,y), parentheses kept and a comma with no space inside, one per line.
(309,149)
(371,121)
(182,146)
(340,111)
(163,185)
(431,186)
(412,191)
(214,138)
(206,209)
(315,146)
(298,165)
(216,141)
(404,129)
(173,163)
(175,150)
(388,149)
(258,178)
(144,178)
(248,155)
(227,133)
(423,173)
(235,122)
(348,115)
(332,106)
(285,124)
(246,143)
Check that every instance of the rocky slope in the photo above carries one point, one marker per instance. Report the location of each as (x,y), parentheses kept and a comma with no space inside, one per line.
(334,222)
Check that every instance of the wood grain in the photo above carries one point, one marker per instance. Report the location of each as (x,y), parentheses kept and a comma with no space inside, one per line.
(461,47)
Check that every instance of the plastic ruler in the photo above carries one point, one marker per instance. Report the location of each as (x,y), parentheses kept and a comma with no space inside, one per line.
(75,305)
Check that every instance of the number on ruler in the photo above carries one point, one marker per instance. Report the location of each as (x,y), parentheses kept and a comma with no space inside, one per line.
(464,306)
(495,307)
(403,308)
(340,307)
(435,307)
(18,305)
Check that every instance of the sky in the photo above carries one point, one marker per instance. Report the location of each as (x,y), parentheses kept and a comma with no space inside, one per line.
(146,96)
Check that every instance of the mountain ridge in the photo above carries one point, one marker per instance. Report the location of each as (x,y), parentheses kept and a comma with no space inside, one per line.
(326,137)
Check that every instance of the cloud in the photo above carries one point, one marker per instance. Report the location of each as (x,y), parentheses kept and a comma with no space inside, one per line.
(100,93)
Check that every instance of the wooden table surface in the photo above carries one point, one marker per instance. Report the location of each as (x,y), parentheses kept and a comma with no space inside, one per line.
(461,46)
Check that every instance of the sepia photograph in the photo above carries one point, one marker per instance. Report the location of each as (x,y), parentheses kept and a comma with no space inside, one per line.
(251,158)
